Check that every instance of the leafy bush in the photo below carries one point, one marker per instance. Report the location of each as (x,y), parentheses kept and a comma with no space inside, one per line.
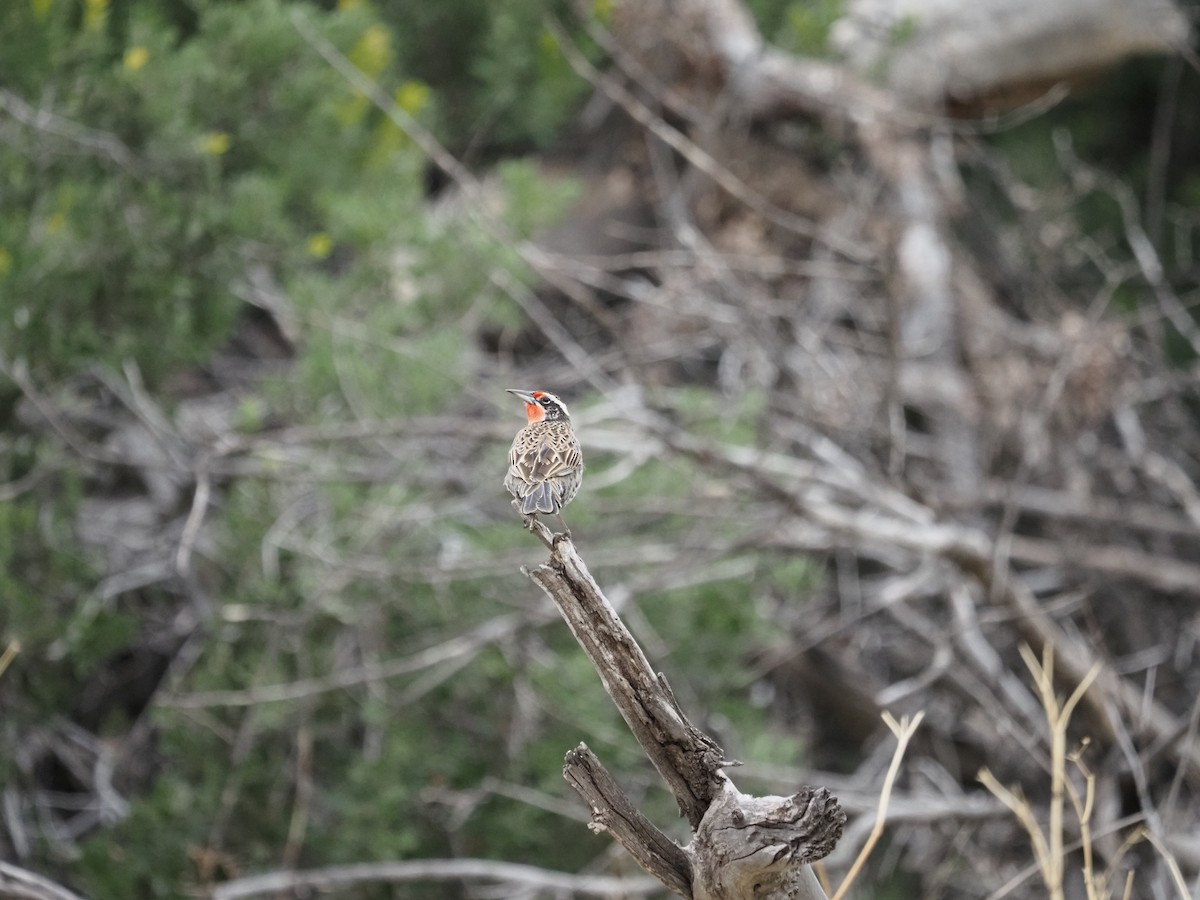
(169,161)
(153,154)
(190,143)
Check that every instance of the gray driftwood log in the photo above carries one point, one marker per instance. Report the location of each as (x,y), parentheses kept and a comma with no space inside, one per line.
(742,847)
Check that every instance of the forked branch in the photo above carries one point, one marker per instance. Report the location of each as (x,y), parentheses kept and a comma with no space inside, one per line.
(742,846)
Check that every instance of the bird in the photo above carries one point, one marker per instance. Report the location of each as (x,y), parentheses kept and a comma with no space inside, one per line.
(545,464)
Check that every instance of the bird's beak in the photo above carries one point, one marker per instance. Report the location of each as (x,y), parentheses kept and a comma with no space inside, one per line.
(527,396)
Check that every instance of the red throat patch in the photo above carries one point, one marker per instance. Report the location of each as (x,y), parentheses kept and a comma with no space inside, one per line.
(534,412)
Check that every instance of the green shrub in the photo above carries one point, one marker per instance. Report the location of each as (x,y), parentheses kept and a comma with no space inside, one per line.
(174,160)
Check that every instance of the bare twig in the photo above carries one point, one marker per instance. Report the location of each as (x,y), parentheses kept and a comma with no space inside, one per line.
(614,813)
(1172,865)
(195,519)
(467,644)
(99,143)
(1048,844)
(903,730)
(481,870)
(21,884)
(9,654)
(699,157)
(302,803)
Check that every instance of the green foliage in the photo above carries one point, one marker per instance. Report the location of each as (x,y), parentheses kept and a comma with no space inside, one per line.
(771,746)
(793,575)
(238,145)
(770,15)
(801,26)
(500,77)
(532,200)
(731,419)
(719,620)
(177,160)
(904,30)
(42,571)
(1080,153)
(135,859)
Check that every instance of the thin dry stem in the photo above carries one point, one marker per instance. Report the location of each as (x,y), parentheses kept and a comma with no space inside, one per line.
(1083,812)
(1024,813)
(21,884)
(10,653)
(1048,845)
(512,877)
(1172,865)
(1131,840)
(903,730)
(1057,717)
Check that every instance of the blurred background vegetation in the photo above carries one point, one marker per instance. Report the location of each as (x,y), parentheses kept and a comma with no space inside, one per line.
(252,431)
(155,157)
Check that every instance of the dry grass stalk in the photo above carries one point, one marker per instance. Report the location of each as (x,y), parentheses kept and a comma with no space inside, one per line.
(10,653)
(1172,864)
(903,730)
(1048,844)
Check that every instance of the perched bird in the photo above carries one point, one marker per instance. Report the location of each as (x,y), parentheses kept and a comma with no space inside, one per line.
(545,465)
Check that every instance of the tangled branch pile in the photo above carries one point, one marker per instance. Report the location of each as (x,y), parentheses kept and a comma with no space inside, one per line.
(954,412)
(882,413)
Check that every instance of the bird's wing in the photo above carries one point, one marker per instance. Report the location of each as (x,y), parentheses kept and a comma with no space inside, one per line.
(545,460)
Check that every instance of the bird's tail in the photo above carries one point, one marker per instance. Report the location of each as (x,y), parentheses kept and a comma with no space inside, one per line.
(540,499)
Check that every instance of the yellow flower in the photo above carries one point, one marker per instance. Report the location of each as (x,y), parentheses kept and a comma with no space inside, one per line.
(5,261)
(135,58)
(547,43)
(215,143)
(94,13)
(320,245)
(373,50)
(413,96)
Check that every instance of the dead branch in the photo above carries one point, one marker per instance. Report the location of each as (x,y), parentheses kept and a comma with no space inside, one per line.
(54,126)
(480,870)
(742,846)
(687,759)
(21,884)
(614,812)
(450,652)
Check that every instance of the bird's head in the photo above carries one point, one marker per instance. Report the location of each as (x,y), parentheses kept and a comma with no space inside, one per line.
(542,405)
